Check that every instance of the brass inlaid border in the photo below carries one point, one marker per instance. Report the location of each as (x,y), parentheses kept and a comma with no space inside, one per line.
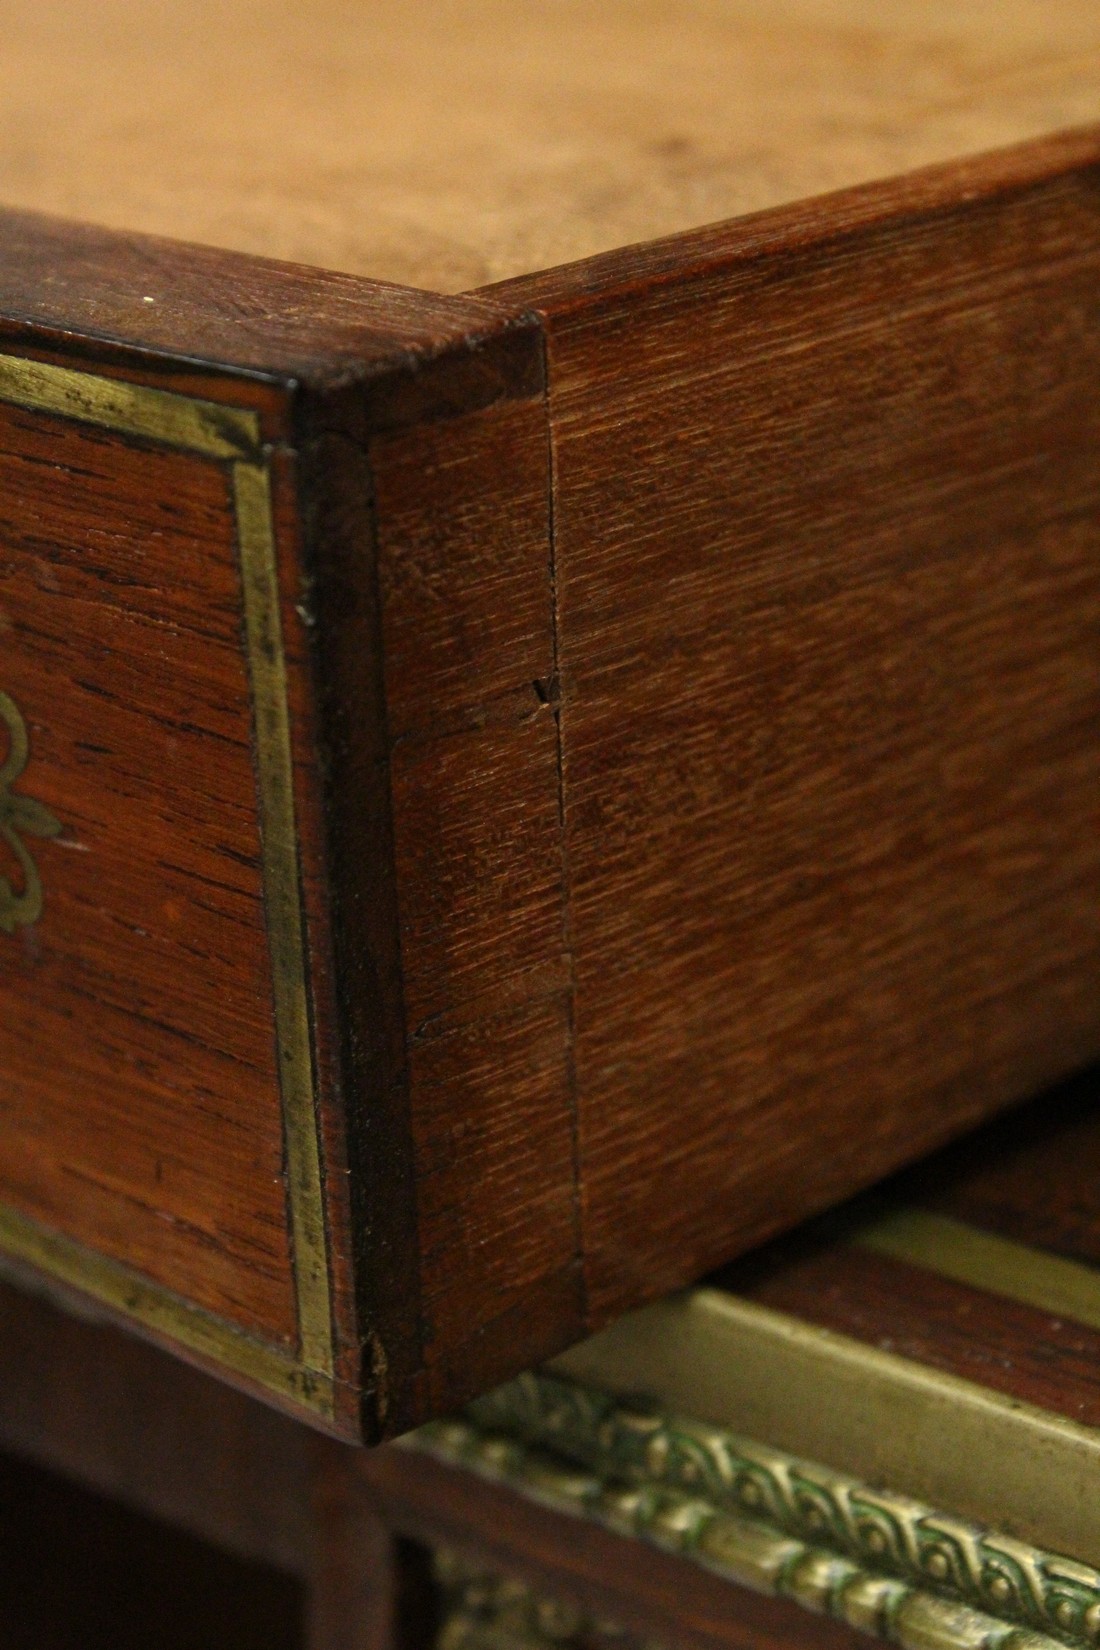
(884,1563)
(231,435)
(985,1260)
(156,1308)
(267,664)
(884,1418)
(181,421)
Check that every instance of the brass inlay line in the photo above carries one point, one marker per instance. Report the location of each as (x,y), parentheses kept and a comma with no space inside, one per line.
(1065,1288)
(180,421)
(20,816)
(157,1308)
(267,665)
(884,1418)
(884,1563)
(231,434)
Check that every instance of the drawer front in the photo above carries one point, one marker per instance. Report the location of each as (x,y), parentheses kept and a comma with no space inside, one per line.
(211,472)
(159,1146)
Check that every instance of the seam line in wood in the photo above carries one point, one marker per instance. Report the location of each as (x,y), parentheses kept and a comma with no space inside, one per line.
(222,433)
(558,710)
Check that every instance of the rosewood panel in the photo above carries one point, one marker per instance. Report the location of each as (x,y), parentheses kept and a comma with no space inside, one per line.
(827,523)
(145,991)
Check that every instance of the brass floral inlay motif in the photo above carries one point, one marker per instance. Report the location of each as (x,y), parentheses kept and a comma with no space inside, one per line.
(20,816)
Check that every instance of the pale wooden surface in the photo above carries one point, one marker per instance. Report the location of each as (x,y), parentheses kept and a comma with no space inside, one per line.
(453,143)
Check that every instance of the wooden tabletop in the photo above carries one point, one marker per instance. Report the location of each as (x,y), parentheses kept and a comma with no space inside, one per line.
(459,142)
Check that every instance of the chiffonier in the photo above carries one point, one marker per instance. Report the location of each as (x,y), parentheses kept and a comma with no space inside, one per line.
(549,602)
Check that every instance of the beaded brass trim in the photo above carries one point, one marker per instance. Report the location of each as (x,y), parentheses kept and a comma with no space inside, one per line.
(886,1418)
(231,436)
(882,1562)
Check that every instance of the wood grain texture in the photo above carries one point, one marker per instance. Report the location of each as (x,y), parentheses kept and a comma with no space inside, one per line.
(1029,1177)
(1041,1358)
(446,145)
(156,1040)
(408,457)
(146,993)
(692,692)
(826,527)
(124,296)
(90,1402)
(462,514)
(433,605)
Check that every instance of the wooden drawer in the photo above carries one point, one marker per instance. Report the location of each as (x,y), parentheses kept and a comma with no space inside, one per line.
(889,1419)
(882,1427)
(515,796)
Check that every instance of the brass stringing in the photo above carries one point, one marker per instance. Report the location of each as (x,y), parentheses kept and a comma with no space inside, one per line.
(20,816)
(232,436)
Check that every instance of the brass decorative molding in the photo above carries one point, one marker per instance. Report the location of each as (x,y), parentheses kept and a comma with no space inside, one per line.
(889,1419)
(20,816)
(484,1610)
(882,1562)
(230,436)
